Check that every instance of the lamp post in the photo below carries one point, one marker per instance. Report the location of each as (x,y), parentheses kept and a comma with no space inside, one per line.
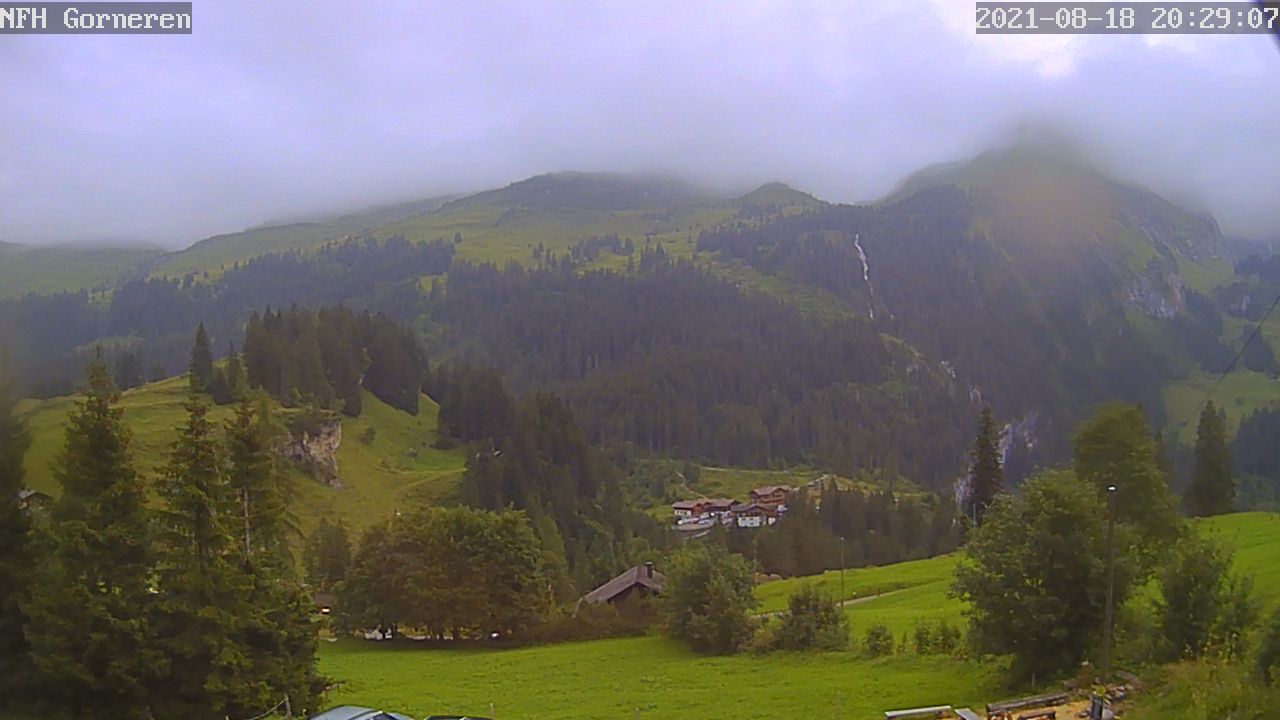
(1111,580)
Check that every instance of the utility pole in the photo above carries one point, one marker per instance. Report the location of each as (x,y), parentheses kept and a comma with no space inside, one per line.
(841,571)
(1111,580)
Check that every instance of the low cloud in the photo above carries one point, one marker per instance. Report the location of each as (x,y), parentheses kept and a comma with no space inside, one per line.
(279,109)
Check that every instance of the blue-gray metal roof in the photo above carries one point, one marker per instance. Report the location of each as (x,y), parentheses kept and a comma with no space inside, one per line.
(351,712)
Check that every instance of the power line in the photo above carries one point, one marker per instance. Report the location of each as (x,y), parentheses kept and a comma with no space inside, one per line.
(1256,329)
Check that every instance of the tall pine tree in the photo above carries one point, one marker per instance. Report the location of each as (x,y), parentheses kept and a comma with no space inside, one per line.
(280,635)
(263,526)
(15,557)
(204,592)
(201,366)
(91,608)
(1213,485)
(986,477)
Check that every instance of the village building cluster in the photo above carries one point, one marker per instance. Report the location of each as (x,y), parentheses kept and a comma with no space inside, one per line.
(764,506)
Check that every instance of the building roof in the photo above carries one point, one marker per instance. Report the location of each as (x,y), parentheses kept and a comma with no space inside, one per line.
(351,712)
(638,575)
(770,489)
(26,494)
(748,507)
(687,504)
(719,503)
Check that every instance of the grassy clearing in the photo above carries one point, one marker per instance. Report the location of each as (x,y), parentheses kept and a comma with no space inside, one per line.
(1241,392)
(1255,538)
(398,468)
(641,677)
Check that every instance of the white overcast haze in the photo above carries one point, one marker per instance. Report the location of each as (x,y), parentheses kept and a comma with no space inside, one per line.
(284,109)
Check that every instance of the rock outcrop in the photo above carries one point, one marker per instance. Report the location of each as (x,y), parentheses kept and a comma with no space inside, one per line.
(316,451)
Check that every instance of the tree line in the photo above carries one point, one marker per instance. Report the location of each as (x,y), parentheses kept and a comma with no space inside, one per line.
(143,327)
(678,361)
(531,454)
(1035,568)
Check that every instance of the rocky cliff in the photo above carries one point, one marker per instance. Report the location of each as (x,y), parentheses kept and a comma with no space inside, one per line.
(315,451)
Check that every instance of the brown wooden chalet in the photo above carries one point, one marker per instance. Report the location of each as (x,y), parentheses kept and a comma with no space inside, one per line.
(638,581)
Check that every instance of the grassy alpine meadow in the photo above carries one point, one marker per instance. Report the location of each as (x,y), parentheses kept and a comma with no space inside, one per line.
(1254,537)
(386,459)
(642,677)
(1242,392)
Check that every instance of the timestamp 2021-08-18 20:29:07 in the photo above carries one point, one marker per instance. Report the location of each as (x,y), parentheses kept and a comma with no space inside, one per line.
(1127,18)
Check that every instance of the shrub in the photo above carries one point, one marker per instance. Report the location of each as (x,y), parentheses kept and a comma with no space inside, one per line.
(1269,654)
(946,639)
(879,640)
(811,622)
(924,639)
(370,433)
(596,621)
(708,599)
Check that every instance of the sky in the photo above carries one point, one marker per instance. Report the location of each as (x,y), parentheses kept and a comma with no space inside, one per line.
(288,109)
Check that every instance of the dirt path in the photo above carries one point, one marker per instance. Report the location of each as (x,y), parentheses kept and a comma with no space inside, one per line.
(843,603)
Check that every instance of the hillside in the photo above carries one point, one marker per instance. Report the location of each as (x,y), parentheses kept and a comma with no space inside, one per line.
(1020,279)
(215,254)
(48,269)
(555,211)
(398,467)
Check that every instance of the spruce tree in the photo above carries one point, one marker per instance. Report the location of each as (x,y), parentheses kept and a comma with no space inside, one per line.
(986,478)
(91,609)
(1213,485)
(263,526)
(278,627)
(204,592)
(15,557)
(235,374)
(201,366)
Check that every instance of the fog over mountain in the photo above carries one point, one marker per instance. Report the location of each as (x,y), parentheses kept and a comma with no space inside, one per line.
(292,108)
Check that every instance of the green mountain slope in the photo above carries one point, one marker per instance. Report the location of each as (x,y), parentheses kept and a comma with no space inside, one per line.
(1021,278)
(385,461)
(48,269)
(220,252)
(555,211)
(1043,285)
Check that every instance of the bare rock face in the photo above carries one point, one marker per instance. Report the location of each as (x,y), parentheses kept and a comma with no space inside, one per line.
(316,451)
(1157,291)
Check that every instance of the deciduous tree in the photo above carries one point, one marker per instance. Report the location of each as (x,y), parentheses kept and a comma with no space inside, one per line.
(1034,575)
(708,599)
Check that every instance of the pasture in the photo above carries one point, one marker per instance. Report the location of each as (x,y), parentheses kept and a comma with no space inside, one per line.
(391,467)
(641,677)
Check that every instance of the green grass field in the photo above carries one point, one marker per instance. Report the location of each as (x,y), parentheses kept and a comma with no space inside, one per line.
(1241,392)
(641,677)
(398,468)
(861,582)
